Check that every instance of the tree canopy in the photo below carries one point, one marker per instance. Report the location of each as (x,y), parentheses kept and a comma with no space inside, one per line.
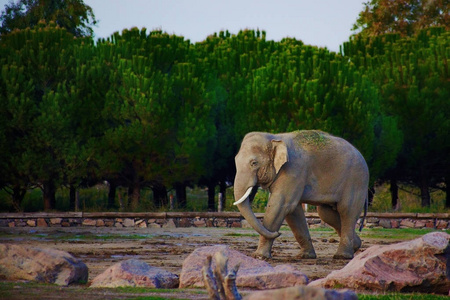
(73,15)
(404,17)
(150,110)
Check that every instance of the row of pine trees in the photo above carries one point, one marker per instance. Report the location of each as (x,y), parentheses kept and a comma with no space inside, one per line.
(152,110)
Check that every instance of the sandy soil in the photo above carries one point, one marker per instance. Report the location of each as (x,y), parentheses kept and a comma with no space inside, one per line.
(166,248)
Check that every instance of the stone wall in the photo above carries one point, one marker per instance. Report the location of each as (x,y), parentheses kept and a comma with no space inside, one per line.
(206,219)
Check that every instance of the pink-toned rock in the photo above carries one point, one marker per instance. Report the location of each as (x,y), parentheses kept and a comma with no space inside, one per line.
(19,262)
(89,222)
(135,273)
(253,273)
(41,222)
(302,292)
(418,265)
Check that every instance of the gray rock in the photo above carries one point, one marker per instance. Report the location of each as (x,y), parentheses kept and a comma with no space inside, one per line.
(303,292)
(253,273)
(385,223)
(135,273)
(418,265)
(19,262)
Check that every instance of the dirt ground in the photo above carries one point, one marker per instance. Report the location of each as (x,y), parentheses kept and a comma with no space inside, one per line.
(99,248)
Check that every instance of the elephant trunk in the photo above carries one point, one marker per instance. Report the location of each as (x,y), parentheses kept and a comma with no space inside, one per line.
(244,207)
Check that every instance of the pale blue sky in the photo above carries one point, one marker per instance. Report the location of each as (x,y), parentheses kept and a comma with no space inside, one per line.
(323,23)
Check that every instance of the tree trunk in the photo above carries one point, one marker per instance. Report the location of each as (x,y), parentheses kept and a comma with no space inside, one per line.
(394,193)
(425,192)
(134,195)
(211,196)
(159,195)
(180,190)
(77,200)
(112,194)
(49,191)
(72,197)
(17,197)
(447,191)
(223,193)
(370,194)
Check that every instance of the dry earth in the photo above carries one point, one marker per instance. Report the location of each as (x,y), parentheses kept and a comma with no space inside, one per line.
(166,248)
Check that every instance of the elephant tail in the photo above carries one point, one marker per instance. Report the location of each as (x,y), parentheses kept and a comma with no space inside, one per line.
(366,206)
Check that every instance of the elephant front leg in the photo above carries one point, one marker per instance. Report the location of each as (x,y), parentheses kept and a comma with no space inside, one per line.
(297,222)
(276,211)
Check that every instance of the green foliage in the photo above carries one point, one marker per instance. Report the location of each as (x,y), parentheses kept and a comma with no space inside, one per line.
(412,74)
(398,296)
(73,15)
(410,200)
(146,111)
(405,17)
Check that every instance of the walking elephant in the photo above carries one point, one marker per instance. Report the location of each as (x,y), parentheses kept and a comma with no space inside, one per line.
(307,166)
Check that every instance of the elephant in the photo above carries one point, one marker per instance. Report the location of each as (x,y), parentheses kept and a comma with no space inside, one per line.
(305,166)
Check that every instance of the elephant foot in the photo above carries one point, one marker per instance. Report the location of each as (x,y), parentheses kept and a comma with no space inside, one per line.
(307,254)
(261,256)
(343,255)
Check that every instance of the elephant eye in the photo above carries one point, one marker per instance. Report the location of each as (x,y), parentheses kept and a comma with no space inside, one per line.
(253,163)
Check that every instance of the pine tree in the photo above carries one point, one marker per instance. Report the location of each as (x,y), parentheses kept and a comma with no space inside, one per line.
(412,74)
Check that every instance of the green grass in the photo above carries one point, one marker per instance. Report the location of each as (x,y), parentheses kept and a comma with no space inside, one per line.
(241,234)
(398,296)
(379,233)
(395,233)
(33,290)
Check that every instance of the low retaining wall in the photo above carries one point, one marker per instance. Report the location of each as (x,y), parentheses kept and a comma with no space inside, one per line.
(202,219)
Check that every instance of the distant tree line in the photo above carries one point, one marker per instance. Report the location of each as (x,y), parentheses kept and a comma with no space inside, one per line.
(152,110)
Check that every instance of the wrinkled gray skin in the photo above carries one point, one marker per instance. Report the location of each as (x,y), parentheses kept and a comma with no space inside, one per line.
(310,167)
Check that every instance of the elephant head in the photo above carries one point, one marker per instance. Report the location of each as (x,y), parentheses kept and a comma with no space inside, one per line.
(258,163)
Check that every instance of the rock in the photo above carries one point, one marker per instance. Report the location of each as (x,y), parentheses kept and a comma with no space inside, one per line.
(170,224)
(302,292)
(19,262)
(385,223)
(407,223)
(253,273)
(31,223)
(135,273)
(89,222)
(41,222)
(418,265)
(55,221)
(128,222)
(245,224)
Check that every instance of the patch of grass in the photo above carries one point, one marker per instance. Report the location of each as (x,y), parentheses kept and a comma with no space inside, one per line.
(33,290)
(398,296)
(381,233)
(241,234)
(394,233)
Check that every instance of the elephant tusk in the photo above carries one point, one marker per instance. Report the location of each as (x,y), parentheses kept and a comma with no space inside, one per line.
(247,193)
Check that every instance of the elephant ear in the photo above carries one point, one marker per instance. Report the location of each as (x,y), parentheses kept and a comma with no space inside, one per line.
(280,154)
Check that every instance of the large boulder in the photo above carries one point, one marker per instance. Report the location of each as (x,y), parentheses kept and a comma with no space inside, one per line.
(19,262)
(302,292)
(135,273)
(253,273)
(419,265)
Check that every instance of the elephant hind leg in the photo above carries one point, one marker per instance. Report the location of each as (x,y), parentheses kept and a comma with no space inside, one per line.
(331,216)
